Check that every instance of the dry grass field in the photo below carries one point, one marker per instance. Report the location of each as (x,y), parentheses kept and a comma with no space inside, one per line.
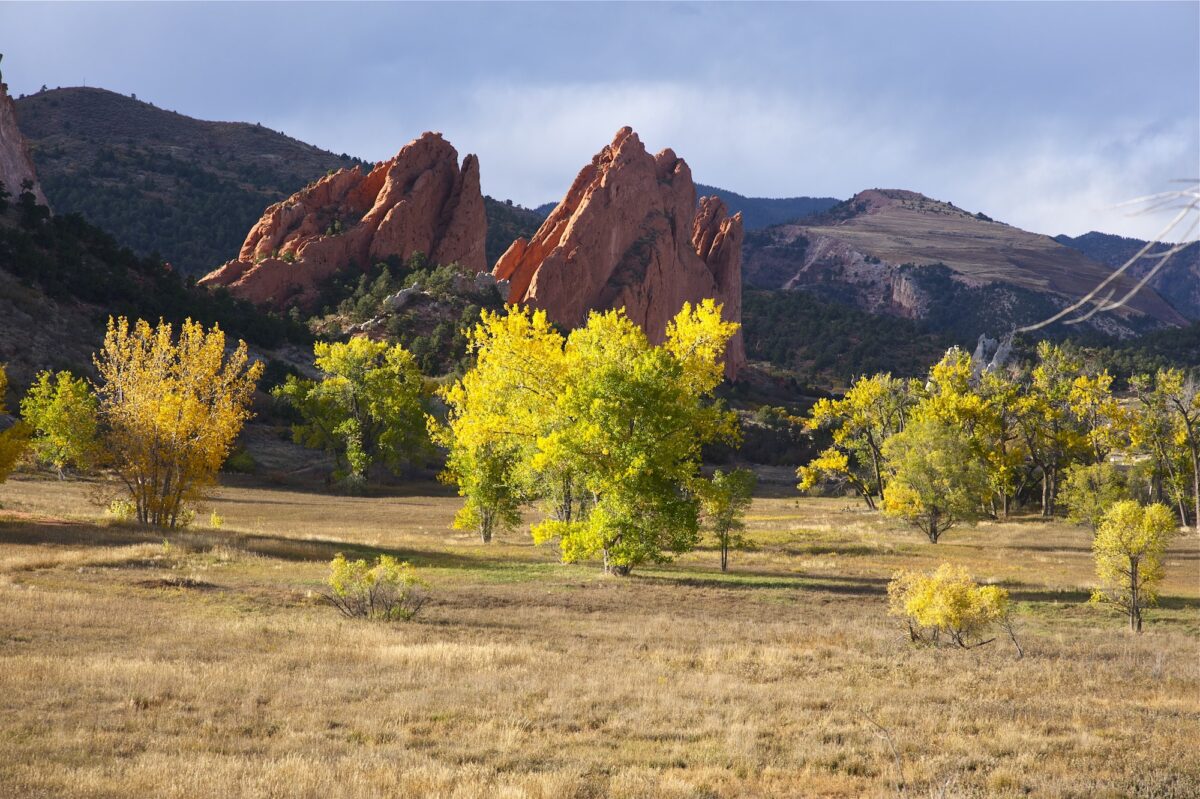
(206,667)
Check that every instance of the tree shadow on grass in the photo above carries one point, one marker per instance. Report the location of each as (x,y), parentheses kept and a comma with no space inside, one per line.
(39,531)
(771,581)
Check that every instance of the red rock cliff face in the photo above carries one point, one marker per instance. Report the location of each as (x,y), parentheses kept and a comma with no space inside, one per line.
(15,163)
(629,234)
(419,201)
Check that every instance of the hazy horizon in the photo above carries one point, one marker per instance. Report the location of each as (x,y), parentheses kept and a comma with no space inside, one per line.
(1045,116)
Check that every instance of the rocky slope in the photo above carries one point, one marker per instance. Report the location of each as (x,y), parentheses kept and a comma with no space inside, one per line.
(16,165)
(419,201)
(1178,282)
(899,252)
(162,182)
(629,234)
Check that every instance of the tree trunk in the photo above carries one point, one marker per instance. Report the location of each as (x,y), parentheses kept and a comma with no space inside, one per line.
(618,569)
(724,555)
(932,532)
(878,472)
(1135,611)
(1196,484)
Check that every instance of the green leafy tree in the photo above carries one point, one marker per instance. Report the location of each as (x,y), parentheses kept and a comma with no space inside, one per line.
(487,477)
(936,479)
(1128,549)
(369,407)
(1089,491)
(61,410)
(724,501)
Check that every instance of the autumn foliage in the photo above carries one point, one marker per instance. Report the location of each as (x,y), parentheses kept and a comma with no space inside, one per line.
(171,408)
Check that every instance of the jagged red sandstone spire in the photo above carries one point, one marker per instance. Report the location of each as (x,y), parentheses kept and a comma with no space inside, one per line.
(629,234)
(419,201)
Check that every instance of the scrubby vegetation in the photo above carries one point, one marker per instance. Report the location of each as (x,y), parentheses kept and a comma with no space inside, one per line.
(425,308)
(825,342)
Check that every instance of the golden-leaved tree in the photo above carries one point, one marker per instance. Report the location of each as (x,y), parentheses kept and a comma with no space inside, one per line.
(1129,548)
(1166,425)
(171,408)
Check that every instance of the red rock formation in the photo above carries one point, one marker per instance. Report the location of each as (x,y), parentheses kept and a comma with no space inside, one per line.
(419,201)
(628,234)
(15,163)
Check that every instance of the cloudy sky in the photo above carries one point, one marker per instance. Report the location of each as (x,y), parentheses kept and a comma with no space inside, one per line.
(1042,115)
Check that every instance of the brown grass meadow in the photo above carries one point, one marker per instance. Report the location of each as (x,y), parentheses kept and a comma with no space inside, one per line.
(206,666)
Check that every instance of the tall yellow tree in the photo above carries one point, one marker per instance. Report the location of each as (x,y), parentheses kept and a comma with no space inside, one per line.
(171,408)
(13,439)
(1053,434)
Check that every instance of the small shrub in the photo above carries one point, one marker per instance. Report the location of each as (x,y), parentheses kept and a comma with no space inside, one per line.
(216,521)
(388,590)
(948,602)
(122,510)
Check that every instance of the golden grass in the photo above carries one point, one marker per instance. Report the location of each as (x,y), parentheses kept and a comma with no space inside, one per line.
(208,668)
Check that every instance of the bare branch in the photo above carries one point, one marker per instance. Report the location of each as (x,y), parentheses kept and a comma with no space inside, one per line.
(1188,203)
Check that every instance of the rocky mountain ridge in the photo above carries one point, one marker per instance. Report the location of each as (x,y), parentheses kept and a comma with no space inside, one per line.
(162,182)
(901,253)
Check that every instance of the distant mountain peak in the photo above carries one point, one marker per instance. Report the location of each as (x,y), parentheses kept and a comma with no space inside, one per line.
(904,253)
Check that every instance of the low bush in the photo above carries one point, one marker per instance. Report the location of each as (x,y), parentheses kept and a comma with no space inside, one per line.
(948,602)
(387,590)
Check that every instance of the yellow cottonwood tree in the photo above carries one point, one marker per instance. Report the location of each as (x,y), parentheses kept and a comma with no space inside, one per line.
(171,407)
(874,409)
(1128,548)
(601,427)
(1170,424)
